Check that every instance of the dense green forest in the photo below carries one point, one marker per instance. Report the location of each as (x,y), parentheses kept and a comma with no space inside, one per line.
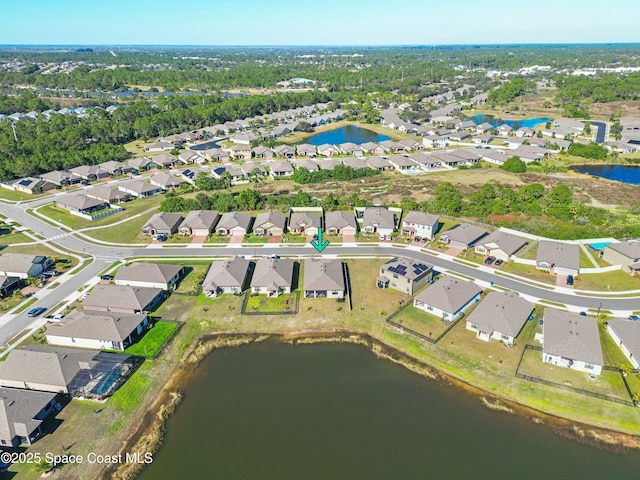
(510,91)
(66,141)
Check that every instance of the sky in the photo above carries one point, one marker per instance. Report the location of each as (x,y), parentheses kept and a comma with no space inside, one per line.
(319,22)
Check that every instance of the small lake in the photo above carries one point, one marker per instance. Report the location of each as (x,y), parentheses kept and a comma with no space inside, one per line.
(349,133)
(207,145)
(275,411)
(524,123)
(620,173)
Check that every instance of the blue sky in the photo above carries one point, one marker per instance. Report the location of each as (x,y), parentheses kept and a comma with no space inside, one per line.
(320,22)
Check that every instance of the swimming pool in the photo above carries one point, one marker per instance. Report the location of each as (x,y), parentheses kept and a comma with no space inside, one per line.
(599,246)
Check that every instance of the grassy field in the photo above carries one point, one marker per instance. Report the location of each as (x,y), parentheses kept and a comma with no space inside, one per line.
(420,321)
(194,275)
(131,208)
(15,237)
(152,342)
(532,253)
(128,232)
(529,271)
(18,196)
(617,280)
(285,303)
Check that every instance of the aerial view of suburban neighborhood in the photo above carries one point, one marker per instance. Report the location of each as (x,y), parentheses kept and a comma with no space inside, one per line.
(259,261)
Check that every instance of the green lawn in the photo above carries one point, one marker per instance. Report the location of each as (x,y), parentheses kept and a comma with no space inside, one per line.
(255,239)
(530,254)
(447,224)
(18,196)
(607,383)
(215,238)
(420,321)
(529,271)
(616,280)
(285,303)
(130,209)
(152,342)
(179,239)
(15,237)
(612,354)
(585,262)
(129,395)
(8,303)
(128,232)
(194,275)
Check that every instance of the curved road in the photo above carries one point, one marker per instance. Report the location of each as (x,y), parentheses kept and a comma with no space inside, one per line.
(106,255)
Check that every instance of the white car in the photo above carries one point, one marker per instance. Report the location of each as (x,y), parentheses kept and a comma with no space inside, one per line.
(57,317)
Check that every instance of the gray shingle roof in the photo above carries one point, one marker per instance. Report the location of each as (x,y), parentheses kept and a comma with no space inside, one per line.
(449,294)
(269,219)
(166,180)
(321,274)
(108,194)
(201,219)
(226,273)
(559,254)
(572,336)
(378,216)
(120,296)
(235,219)
(629,249)
(305,219)
(503,312)
(110,326)
(340,220)
(163,221)
(18,262)
(465,233)
(628,332)
(80,202)
(148,272)
(273,271)
(139,187)
(506,242)
(18,411)
(409,269)
(421,218)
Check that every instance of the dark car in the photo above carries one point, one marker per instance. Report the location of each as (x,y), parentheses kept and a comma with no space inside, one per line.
(162,237)
(583,314)
(499,262)
(106,277)
(569,279)
(34,312)
(417,239)
(635,318)
(489,260)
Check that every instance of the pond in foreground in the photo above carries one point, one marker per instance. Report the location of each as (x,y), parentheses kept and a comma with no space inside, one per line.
(273,411)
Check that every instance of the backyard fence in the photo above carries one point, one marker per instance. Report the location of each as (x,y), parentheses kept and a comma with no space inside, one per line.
(390,321)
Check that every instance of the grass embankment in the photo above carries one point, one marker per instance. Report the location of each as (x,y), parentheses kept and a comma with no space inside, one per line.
(19,196)
(154,340)
(15,237)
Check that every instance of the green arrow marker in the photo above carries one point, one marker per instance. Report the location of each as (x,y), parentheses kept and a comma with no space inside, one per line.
(319,245)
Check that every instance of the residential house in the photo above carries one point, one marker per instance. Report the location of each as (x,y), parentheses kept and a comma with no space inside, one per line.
(327,150)
(60,178)
(380,164)
(391,146)
(562,258)
(504,130)
(280,130)
(350,148)
(32,185)
(82,204)
(371,148)
(501,245)
(483,139)
(625,254)
(262,152)
(89,173)
(108,194)
(459,136)
(159,147)
(240,152)
(21,415)
(496,156)
(189,158)
(571,341)
(152,275)
(328,164)
(529,153)
(97,330)
(216,155)
(305,223)
(404,274)
(162,223)
(164,160)
(402,164)
(115,168)
(272,276)
(484,127)
(286,151)
(626,334)
(281,169)
(525,132)
(141,164)
(234,223)
(139,189)
(166,181)
(8,285)
(355,163)
(340,223)
(323,278)
(270,223)
(78,372)
(467,155)
(199,223)
(426,161)
(123,299)
(501,316)
(306,150)
(308,165)
(244,138)
(226,276)
(463,236)
(22,265)
(378,220)
(448,298)
(420,224)
(253,169)
(435,141)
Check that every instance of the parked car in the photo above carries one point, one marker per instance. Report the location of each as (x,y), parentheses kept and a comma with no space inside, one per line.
(569,279)
(424,240)
(583,314)
(49,274)
(499,262)
(635,318)
(106,277)
(34,312)
(57,317)
(417,238)
(162,237)
(85,295)
(489,260)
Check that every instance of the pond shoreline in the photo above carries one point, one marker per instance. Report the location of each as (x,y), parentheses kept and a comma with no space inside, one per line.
(148,435)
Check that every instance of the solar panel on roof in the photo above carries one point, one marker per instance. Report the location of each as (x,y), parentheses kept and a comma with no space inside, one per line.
(24,182)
